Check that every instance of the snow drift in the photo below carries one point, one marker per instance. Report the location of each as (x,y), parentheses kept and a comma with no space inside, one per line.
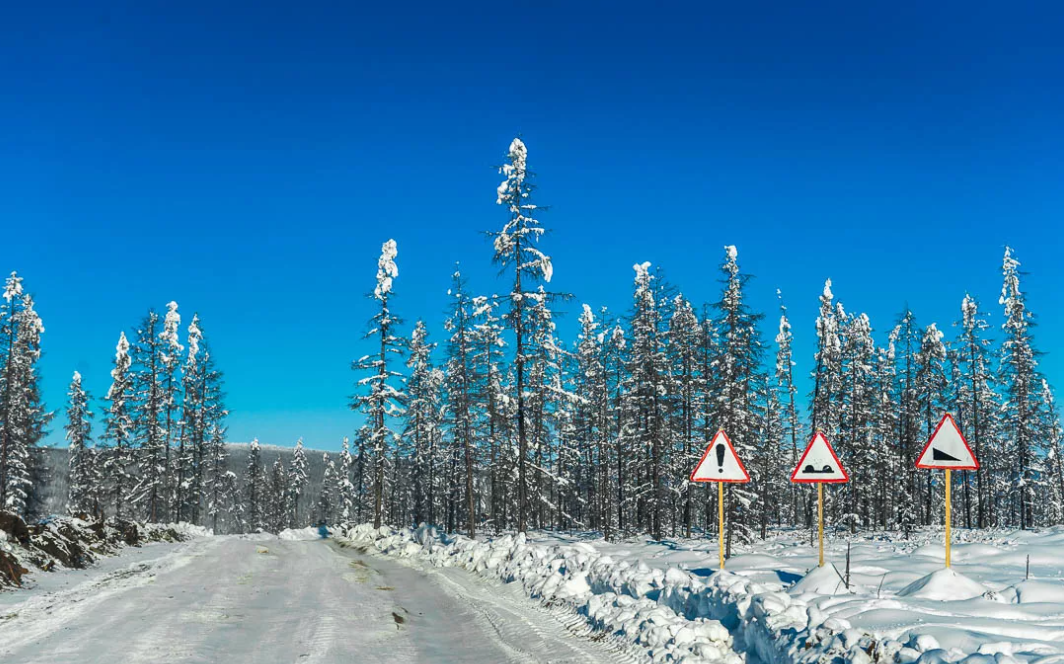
(612,597)
(679,615)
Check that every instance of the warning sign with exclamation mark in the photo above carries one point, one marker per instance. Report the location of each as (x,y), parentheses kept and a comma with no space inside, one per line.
(720,463)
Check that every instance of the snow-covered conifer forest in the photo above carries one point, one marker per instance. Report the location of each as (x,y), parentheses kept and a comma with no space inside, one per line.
(494,423)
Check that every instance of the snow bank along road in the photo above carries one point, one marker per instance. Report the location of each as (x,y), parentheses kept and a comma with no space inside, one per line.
(231,599)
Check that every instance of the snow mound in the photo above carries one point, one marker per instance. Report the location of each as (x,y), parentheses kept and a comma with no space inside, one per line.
(824,580)
(297,534)
(945,584)
(1030,592)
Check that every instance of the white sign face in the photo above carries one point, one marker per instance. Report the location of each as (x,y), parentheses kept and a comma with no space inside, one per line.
(819,463)
(947,449)
(720,463)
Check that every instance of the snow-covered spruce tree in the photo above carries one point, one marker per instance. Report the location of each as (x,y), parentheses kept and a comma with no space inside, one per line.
(516,249)
(590,411)
(22,413)
(827,385)
(739,380)
(82,494)
(955,402)
(437,449)
(323,511)
(397,483)
(381,400)
(977,401)
(151,489)
(931,387)
(684,339)
(645,405)
(826,374)
(422,421)
(888,468)
(361,473)
(209,484)
(347,488)
(192,445)
(119,429)
(13,469)
(460,384)
(254,490)
(1021,387)
(906,339)
(614,361)
(220,482)
(767,465)
(570,470)
(546,395)
(785,384)
(856,443)
(176,463)
(1054,461)
(277,497)
(707,356)
(492,415)
(298,475)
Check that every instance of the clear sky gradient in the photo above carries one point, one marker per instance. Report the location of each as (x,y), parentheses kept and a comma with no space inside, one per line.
(248,160)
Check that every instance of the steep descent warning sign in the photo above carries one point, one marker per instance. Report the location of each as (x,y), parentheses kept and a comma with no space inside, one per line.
(819,463)
(947,449)
(720,463)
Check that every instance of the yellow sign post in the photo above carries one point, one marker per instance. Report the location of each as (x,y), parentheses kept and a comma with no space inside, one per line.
(949,517)
(820,519)
(947,450)
(720,520)
(819,465)
(720,464)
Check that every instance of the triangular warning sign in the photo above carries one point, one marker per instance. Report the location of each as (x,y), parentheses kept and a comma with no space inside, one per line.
(947,449)
(819,463)
(720,463)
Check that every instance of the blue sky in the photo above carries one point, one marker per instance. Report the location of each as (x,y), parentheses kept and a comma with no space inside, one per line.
(247,161)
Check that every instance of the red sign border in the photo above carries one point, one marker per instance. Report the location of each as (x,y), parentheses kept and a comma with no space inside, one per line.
(712,444)
(845,475)
(964,440)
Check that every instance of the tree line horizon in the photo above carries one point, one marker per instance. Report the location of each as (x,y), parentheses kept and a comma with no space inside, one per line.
(514,429)
(602,434)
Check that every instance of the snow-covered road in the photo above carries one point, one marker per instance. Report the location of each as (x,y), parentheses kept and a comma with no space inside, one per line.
(229,599)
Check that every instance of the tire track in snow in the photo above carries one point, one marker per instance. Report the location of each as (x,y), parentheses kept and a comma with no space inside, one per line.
(40,615)
(517,619)
(568,619)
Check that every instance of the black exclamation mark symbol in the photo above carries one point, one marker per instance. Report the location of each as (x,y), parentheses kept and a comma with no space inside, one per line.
(720,458)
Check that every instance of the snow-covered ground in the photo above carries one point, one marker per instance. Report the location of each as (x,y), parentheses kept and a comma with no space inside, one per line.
(264,599)
(899,589)
(415,595)
(605,599)
(778,608)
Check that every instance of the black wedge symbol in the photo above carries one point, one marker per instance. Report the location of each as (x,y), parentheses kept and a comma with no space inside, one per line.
(939,455)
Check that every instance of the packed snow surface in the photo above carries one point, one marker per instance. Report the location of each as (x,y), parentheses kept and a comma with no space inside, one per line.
(265,600)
